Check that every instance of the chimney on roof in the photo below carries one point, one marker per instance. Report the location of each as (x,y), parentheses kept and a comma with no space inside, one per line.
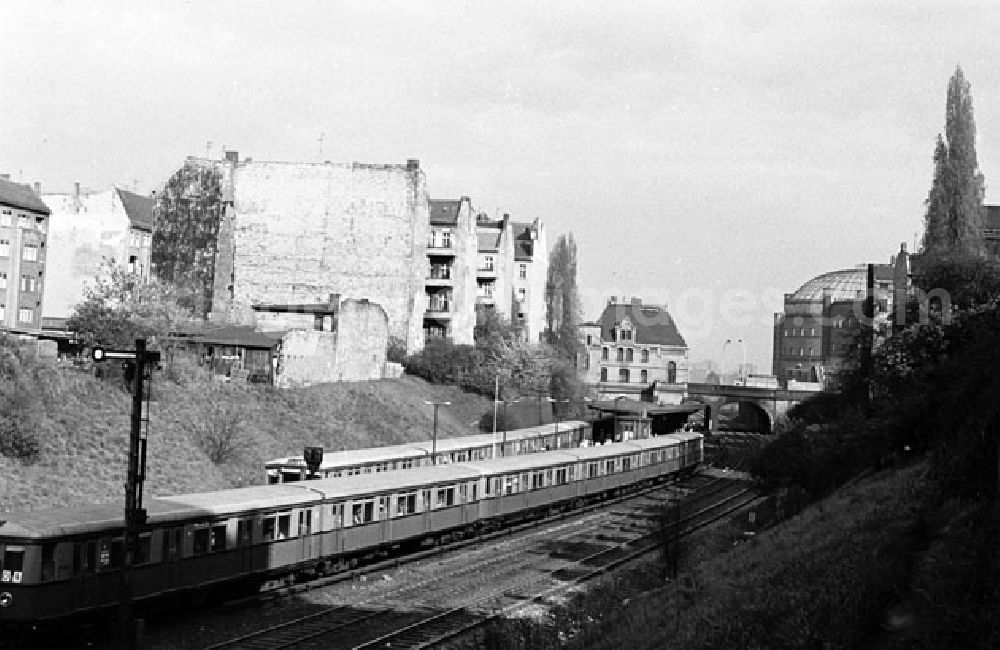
(412,164)
(76,189)
(233,157)
(248,160)
(902,247)
(38,188)
(334,299)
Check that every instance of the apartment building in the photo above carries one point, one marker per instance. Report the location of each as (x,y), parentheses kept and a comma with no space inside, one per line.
(24,225)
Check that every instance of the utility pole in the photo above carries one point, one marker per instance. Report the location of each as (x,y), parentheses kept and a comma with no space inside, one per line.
(135,515)
(434,442)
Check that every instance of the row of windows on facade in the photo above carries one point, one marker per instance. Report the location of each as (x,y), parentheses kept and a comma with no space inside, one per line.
(23,220)
(140,239)
(802,352)
(489,265)
(840,323)
(29,252)
(441,301)
(28,282)
(624,374)
(24,314)
(628,354)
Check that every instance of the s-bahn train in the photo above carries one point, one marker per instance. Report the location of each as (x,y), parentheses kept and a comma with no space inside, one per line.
(61,562)
(546,437)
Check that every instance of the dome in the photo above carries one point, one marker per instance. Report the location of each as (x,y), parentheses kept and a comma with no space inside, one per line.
(848,284)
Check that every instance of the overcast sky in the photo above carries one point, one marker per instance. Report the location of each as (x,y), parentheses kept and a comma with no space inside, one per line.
(692,148)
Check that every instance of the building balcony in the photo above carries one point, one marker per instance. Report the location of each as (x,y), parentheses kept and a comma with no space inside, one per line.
(485,300)
(437,249)
(439,277)
(438,310)
(486,273)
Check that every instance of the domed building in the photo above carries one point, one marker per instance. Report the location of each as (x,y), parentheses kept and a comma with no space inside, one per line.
(821,322)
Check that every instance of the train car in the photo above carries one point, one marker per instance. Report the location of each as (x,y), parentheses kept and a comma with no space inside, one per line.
(63,561)
(571,433)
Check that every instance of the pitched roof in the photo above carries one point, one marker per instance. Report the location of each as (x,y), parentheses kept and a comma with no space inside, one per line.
(21,196)
(138,208)
(488,241)
(444,212)
(651,324)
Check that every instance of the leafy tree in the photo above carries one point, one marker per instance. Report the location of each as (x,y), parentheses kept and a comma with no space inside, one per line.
(186,219)
(954,217)
(120,306)
(20,402)
(562,299)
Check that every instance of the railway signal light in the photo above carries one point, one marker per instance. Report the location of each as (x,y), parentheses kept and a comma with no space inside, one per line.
(313,457)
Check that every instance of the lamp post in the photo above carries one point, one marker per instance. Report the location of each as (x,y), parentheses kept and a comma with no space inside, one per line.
(434,439)
(743,368)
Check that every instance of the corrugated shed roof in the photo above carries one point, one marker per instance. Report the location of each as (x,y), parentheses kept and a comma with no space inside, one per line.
(138,208)
(444,212)
(21,196)
(240,336)
(651,324)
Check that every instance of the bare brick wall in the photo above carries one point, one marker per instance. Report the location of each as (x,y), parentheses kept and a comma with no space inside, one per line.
(363,331)
(303,231)
(307,357)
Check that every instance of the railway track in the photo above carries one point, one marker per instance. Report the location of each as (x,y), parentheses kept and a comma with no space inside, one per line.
(517,578)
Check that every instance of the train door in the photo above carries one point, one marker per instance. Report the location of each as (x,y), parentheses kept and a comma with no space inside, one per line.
(306,538)
(244,544)
(384,523)
(171,550)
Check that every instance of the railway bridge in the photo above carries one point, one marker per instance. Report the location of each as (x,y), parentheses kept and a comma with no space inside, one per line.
(759,405)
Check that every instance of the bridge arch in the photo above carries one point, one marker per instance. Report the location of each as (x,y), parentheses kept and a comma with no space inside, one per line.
(751,415)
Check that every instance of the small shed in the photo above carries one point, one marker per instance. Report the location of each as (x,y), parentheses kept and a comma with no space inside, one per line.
(239,351)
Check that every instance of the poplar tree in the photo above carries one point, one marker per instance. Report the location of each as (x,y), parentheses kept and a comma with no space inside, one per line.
(562,299)
(953,222)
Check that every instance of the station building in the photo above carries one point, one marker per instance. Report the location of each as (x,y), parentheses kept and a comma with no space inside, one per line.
(634,350)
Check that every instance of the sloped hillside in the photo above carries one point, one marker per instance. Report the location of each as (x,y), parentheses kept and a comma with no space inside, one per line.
(84,428)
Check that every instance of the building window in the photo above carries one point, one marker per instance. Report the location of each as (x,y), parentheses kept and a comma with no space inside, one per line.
(521,292)
(523,271)
(628,355)
(671,373)
(801,352)
(446,239)
(786,332)
(621,354)
(5,218)
(589,339)
(26,315)
(810,351)
(30,253)
(623,375)
(22,221)
(488,263)
(4,248)
(645,356)
(644,376)
(604,374)
(812,331)
(3,281)
(3,313)
(604,354)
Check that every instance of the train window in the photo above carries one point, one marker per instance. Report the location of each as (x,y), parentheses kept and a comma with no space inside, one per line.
(548,477)
(406,464)
(268,528)
(383,508)
(487,484)
(337,515)
(219,538)
(425,500)
(496,485)
(284,526)
(305,521)
(626,463)
(463,493)
(13,565)
(510,484)
(201,541)
(363,513)
(475,492)
(524,481)
(609,467)
(561,476)
(537,480)
(367,469)
(591,470)
(406,504)
(445,497)
(84,557)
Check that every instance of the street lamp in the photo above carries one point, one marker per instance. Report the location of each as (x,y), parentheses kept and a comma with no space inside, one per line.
(434,440)
(743,368)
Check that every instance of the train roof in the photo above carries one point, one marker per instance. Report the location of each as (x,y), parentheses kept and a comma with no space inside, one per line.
(420,449)
(87,519)
(344,487)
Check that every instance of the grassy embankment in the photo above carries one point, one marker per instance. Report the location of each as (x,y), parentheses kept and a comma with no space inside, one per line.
(83,425)
(881,563)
